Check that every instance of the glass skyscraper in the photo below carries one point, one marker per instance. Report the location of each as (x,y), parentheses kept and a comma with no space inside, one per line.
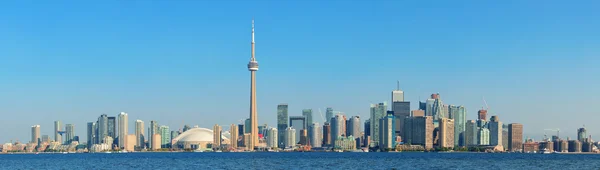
(165,135)
(282,123)
(328,114)
(459,114)
(378,111)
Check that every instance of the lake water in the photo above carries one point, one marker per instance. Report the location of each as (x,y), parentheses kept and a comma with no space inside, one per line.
(297,160)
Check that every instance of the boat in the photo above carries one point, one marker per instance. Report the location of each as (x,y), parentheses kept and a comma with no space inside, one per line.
(218,151)
(545,151)
(108,152)
(65,153)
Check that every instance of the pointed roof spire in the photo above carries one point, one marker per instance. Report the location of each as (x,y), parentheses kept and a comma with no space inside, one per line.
(252,29)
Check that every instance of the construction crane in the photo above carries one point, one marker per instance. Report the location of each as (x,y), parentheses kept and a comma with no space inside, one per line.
(486,105)
(321,113)
(557,130)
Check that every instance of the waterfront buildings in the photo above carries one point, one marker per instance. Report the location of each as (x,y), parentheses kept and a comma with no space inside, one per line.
(234,135)
(495,127)
(152,130)
(139,134)
(282,123)
(345,143)
(91,134)
(471,133)
(459,115)
(156,142)
(353,126)
(112,127)
(515,137)
(253,67)
(290,137)
(328,114)
(130,143)
(247,127)
(304,137)
(446,127)
(438,109)
(272,137)
(483,138)
(327,134)
(69,134)
(123,129)
(582,134)
(401,110)
(57,136)
(421,131)
(337,126)
(217,131)
(315,135)
(378,111)
(35,134)
(574,146)
(299,123)
(387,132)
(165,135)
(102,128)
(309,116)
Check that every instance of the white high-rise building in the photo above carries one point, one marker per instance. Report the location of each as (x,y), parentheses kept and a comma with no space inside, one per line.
(139,134)
(290,137)
(35,134)
(483,137)
(398,95)
(123,130)
(316,138)
(272,137)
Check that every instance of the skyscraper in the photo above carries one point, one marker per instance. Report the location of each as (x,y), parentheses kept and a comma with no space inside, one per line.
(328,114)
(422,131)
(282,123)
(387,133)
(400,108)
(290,137)
(459,114)
(272,137)
(165,135)
(495,131)
(378,111)
(57,128)
(353,127)
(316,136)
(471,133)
(247,126)
(327,133)
(309,116)
(337,127)
(438,109)
(299,123)
(253,67)
(582,135)
(216,136)
(153,130)
(35,134)
(123,129)
(139,134)
(482,114)
(234,135)
(69,133)
(91,134)
(102,128)
(515,137)
(112,127)
(483,136)
(446,133)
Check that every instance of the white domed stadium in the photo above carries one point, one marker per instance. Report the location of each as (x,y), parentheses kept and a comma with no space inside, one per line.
(197,138)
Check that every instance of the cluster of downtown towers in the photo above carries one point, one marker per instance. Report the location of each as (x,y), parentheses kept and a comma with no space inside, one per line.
(433,125)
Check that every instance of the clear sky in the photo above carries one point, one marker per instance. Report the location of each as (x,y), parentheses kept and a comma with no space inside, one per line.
(536,62)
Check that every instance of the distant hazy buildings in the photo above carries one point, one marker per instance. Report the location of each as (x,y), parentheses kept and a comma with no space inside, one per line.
(57,136)
(282,123)
(35,134)
(69,133)
(582,134)
(515,137)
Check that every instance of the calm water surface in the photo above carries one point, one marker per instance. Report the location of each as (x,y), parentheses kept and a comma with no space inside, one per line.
(299,161)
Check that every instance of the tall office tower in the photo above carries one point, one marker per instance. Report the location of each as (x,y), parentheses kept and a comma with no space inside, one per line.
(282,123)
(387,133)
(272,137)
(112,127)
(353,127)
(337,127)
(91,134)
(327,134)
(483,137)
(247,126)
(35,134)
(316,136)
(253,67)
(328,114)
(482,114)
(582,135)
(69,133)
(290,137)
(57,136)
(139,134)
(459,114)
(152,131)
(378,111)
(123,129)
(471,133)
(422,131)
(400,108)
(367,128)
(165,140)
(505,136)
(234,135)
(102,128)
(241,130)
(156,140)
(438,109)
(446,133)
(495,127)
(304,137)
(515,137)
(299,123)
(217,131)
(309,116)
(408,129)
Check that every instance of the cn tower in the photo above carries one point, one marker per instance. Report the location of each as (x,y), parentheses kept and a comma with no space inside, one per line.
(253,67)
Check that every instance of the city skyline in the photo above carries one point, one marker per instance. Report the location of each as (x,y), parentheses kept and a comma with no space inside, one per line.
(313,67)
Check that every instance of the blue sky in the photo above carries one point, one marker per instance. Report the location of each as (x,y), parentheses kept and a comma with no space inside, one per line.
(536,62)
